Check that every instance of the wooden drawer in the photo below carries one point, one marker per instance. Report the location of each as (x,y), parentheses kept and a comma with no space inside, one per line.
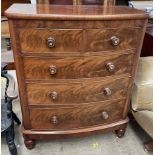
(39,40)
(76,91)
(76,116)
(77,67)
(111,39)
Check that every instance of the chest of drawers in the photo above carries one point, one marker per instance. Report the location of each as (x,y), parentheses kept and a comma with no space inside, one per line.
(75,67)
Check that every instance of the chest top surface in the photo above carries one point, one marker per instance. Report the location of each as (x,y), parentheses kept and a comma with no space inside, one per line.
(68,12)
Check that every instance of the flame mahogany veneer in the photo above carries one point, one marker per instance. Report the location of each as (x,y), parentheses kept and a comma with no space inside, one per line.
(75,67)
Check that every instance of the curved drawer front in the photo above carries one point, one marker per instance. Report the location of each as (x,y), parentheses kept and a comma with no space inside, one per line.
(111,39)
(50,40)
(76,116)
(85,91)
(76,67)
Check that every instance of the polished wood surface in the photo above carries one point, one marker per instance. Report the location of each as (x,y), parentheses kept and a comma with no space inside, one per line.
(69,89)
(56,2)
(68,40)
(101,40)
(76,92)
(76,116)
(98,2)
(5,4)
(80,12)
(36,40)
(77,2)
(46,134)
(73,67)
(76,24)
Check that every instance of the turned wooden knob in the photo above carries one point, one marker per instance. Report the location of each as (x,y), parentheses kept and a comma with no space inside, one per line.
(52,69)
(110,67)
(54,95)
(115,41)
(107,91)
(50,42)
(105,115)
(54,120)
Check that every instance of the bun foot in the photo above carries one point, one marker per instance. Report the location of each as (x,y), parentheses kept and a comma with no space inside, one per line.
(120,133)
(148,146)
(29,143)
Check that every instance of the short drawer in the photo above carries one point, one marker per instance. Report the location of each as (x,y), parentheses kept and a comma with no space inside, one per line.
(111,39)
(50,40)
(76,116)
(77,67)
(77,91)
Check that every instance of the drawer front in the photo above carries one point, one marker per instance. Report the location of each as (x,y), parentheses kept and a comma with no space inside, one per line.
(76,67)
(85,91)
(111,39)
(49,40)
(76,116)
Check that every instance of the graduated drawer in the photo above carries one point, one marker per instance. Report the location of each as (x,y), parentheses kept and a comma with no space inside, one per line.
(77,67)
(76,91)
(76,116)
(50,40)
(111,39)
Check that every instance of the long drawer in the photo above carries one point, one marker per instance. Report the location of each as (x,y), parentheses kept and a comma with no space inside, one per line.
(76,116)
(76,67)
(77,91)
(77,40)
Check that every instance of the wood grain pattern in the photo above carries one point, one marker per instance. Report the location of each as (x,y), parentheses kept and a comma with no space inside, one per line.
(20,74)
(35,40)
(135,66)
(55,2)
(76,92)
(100,40)
(76,116)
(78,2)
(37,68)
(92,2)
(6,4)
(59,24)
(71,12)
(70,133)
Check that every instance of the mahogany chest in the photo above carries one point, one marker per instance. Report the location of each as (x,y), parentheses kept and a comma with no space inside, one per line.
(75,67)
